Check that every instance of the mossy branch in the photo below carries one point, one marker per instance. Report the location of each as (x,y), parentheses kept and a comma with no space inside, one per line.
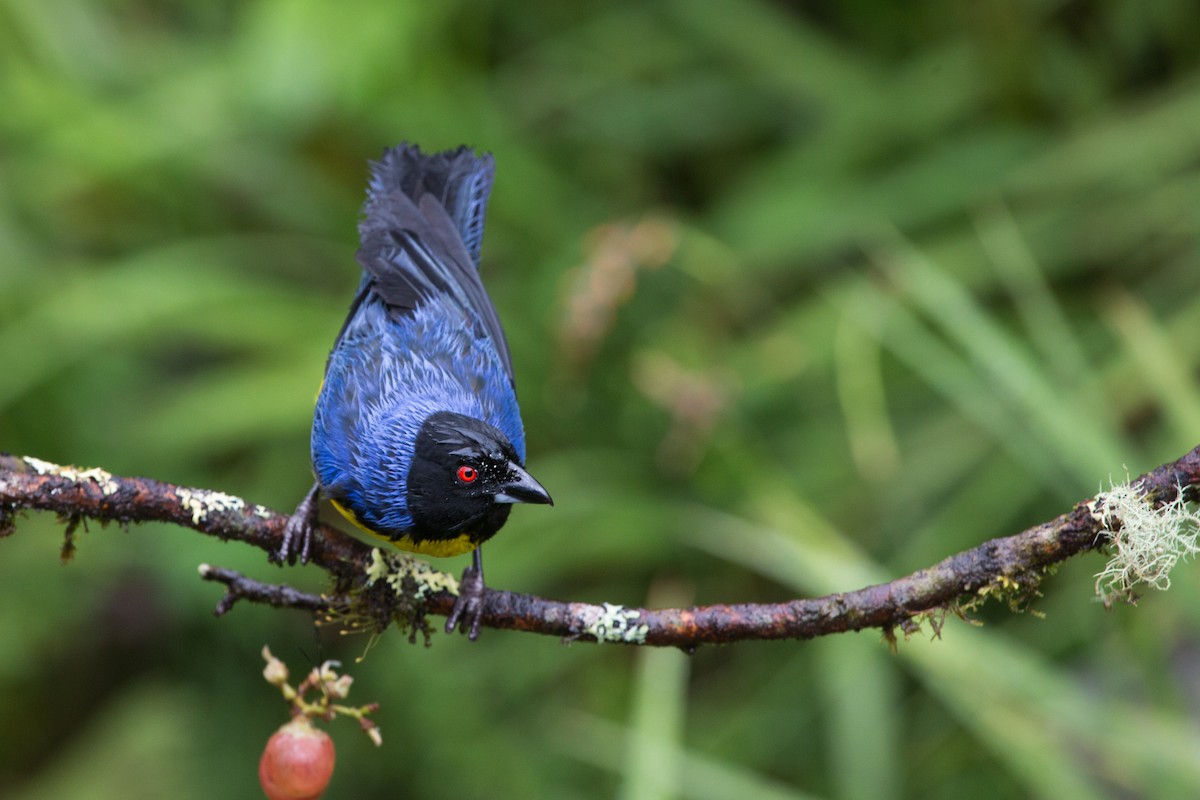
(1009,565)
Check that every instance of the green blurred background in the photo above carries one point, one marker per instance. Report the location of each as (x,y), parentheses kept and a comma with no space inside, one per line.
(800,297)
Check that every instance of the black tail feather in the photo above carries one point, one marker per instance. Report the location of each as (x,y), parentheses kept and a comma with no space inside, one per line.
(459,179)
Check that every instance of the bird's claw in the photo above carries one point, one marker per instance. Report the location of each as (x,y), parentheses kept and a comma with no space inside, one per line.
(297,535)
(298,532)
(468,608)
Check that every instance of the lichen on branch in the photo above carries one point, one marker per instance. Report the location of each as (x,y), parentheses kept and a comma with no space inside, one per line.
(1147,539)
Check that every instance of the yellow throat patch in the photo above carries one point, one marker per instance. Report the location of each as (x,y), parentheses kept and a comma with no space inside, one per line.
(438,548)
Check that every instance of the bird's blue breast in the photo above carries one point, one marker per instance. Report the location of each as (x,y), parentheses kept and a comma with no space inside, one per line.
(385,377)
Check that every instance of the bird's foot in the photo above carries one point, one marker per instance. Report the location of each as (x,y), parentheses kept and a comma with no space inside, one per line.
(468,608)
(298,532)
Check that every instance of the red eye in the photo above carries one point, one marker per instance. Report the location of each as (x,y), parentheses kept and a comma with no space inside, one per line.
(467,473)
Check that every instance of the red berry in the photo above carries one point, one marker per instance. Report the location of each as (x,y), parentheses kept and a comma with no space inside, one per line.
(297,762)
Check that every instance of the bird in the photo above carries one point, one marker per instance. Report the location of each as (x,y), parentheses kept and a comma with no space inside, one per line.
(417,436)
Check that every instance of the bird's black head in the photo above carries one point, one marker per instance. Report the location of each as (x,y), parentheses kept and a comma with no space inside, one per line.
(464,478)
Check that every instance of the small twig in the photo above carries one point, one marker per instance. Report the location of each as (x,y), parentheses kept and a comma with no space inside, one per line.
(1004,563)
(239,587)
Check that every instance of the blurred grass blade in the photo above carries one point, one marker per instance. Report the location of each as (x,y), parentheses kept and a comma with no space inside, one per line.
(1169,375)
(1132,146)
(863,399)
(1082,441)
(652,770)
(603,744)
(947,373)
(1016,728)
(812,556)
(158,289)
(1041,313)
(980,672)
(861,688)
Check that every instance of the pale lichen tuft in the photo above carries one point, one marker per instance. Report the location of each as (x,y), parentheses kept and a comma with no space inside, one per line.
(1146,540)
(395,568)
(202,502)
(395,589)
(613,623)
(108,485)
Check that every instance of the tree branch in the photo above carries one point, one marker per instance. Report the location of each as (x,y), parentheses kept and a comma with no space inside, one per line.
(1004,564)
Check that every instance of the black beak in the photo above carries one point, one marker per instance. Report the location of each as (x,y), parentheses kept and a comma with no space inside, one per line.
(521,488)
